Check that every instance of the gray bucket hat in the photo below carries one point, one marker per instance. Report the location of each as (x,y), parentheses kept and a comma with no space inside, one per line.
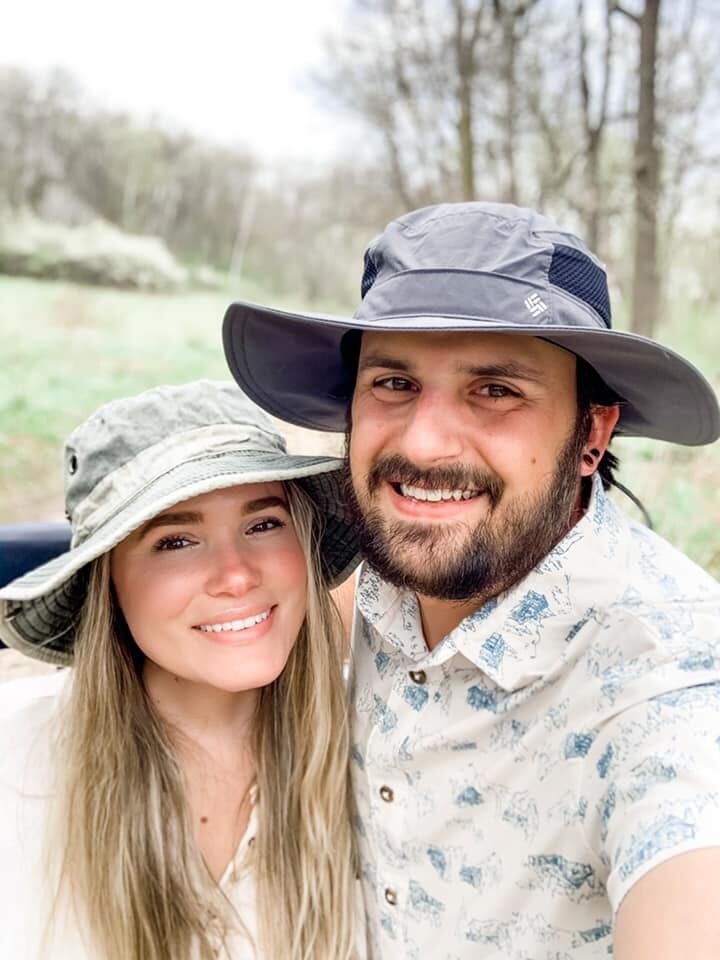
(478,267)
(138,456)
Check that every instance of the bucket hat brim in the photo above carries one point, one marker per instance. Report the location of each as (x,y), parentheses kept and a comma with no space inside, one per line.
(291,365)
(38,611)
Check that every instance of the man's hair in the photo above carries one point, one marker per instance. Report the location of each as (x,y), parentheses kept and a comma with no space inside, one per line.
(592,391)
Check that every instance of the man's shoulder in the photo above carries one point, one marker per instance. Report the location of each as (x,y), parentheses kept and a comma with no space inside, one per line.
(632,567)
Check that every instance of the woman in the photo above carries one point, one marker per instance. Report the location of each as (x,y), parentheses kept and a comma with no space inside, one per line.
(185,795)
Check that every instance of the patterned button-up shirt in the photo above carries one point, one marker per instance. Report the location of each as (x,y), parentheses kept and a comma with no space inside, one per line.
(515,782)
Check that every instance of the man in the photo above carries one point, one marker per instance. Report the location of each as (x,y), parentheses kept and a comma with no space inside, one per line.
(536,679)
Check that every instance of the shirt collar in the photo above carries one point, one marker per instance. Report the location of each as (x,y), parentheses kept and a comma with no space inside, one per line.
(521,635)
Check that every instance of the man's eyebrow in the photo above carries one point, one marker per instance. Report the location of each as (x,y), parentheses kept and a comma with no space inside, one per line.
(371,360)
(510,369)
(179,518)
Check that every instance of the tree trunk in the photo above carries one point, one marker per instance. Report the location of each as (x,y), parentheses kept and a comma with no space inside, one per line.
(465,59)
(594,121)
(646,285)
(466,141)
(510,192)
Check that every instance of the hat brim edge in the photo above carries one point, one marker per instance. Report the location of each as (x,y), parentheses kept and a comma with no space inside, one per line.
(61,568)
(585,342)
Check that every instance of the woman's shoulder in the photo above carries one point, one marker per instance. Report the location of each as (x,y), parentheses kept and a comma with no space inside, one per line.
(28,712)
(29,691)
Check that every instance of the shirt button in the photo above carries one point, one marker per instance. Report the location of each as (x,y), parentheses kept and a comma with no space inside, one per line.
(418,676)
(387,794)
(390,896)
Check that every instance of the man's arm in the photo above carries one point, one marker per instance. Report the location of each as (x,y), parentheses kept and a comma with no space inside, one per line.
(673,912)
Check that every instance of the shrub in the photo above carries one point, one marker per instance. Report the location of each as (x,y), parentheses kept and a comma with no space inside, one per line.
(96,253)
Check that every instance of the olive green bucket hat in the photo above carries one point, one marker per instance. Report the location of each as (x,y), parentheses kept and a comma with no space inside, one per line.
(138,456)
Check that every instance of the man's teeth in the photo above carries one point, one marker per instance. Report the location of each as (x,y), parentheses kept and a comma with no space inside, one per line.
(234,624)
(422,493)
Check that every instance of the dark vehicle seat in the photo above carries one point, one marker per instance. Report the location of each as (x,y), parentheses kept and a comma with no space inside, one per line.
(27,545)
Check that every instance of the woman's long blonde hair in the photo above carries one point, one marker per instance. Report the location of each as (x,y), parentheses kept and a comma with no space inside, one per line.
(130,862)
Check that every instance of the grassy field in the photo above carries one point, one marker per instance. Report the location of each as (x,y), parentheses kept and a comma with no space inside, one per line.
(66,349)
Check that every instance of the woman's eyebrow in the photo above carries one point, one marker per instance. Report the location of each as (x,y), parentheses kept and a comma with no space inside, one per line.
(172,519)
(169,520)
(263,503)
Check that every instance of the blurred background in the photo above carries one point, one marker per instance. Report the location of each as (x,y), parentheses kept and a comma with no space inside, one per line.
(158,160)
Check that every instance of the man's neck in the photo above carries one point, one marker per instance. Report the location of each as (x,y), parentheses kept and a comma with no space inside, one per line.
(440,617)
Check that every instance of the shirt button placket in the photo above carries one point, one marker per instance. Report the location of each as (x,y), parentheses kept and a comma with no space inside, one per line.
(390,812)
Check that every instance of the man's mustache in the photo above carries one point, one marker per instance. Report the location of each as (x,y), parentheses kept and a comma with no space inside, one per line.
(395,468)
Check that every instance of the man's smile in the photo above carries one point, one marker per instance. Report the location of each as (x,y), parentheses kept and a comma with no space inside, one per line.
(433,494)
(437,503)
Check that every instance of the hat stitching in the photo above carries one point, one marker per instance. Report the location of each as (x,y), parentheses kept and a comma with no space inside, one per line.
(85,511)
(168,473)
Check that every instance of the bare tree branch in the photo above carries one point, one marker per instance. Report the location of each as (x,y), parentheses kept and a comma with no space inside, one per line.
(616,7)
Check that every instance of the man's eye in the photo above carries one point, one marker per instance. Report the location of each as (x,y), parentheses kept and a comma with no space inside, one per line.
(173,542)
(497,391)
(265,525)
(394,383)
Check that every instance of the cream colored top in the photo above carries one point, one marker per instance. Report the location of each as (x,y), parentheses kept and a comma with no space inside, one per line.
(28,709)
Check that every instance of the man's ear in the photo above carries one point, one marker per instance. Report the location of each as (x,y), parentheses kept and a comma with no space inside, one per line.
(603,422)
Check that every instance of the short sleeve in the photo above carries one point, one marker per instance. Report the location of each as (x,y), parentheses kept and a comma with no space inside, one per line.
(652,782)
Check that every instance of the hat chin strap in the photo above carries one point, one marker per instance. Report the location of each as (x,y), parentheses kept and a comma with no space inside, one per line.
(638,503)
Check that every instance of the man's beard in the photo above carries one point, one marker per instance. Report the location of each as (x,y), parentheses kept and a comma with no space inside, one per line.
(459,562)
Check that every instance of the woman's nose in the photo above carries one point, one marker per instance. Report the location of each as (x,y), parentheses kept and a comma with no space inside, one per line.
(232,571)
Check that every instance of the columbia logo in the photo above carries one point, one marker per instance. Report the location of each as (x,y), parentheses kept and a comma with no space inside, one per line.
(535,304)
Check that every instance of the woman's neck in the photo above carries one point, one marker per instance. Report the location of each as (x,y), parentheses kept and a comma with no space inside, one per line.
(212,732)
(213,720)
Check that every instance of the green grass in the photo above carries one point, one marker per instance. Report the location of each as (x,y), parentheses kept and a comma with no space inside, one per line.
(680,486)
(67,349)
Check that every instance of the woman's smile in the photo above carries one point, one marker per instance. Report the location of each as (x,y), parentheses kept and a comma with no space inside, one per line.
(220,571)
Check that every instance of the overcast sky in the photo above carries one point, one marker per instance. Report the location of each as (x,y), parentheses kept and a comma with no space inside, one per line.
(232,70)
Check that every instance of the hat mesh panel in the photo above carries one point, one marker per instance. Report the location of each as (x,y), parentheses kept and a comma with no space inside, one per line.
(369,275)
(576,273)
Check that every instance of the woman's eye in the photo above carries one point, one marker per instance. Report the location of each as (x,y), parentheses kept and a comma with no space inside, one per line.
(394,383)
(268,523)
(173,542)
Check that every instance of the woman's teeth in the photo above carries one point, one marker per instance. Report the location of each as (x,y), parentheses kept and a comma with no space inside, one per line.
(234,624)
(422,493)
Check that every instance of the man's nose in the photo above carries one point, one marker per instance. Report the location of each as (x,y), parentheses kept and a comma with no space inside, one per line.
(434,430)
(231,571)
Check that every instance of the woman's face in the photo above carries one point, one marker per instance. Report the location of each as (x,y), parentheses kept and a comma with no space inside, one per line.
(214,589)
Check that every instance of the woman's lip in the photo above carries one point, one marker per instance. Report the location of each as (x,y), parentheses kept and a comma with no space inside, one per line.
(228,616)
(234,638)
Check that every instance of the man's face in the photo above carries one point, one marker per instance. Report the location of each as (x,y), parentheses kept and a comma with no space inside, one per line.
(465,457)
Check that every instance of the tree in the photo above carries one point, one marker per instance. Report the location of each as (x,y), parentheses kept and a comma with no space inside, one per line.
(646,173)
(509,16)
(594,120)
